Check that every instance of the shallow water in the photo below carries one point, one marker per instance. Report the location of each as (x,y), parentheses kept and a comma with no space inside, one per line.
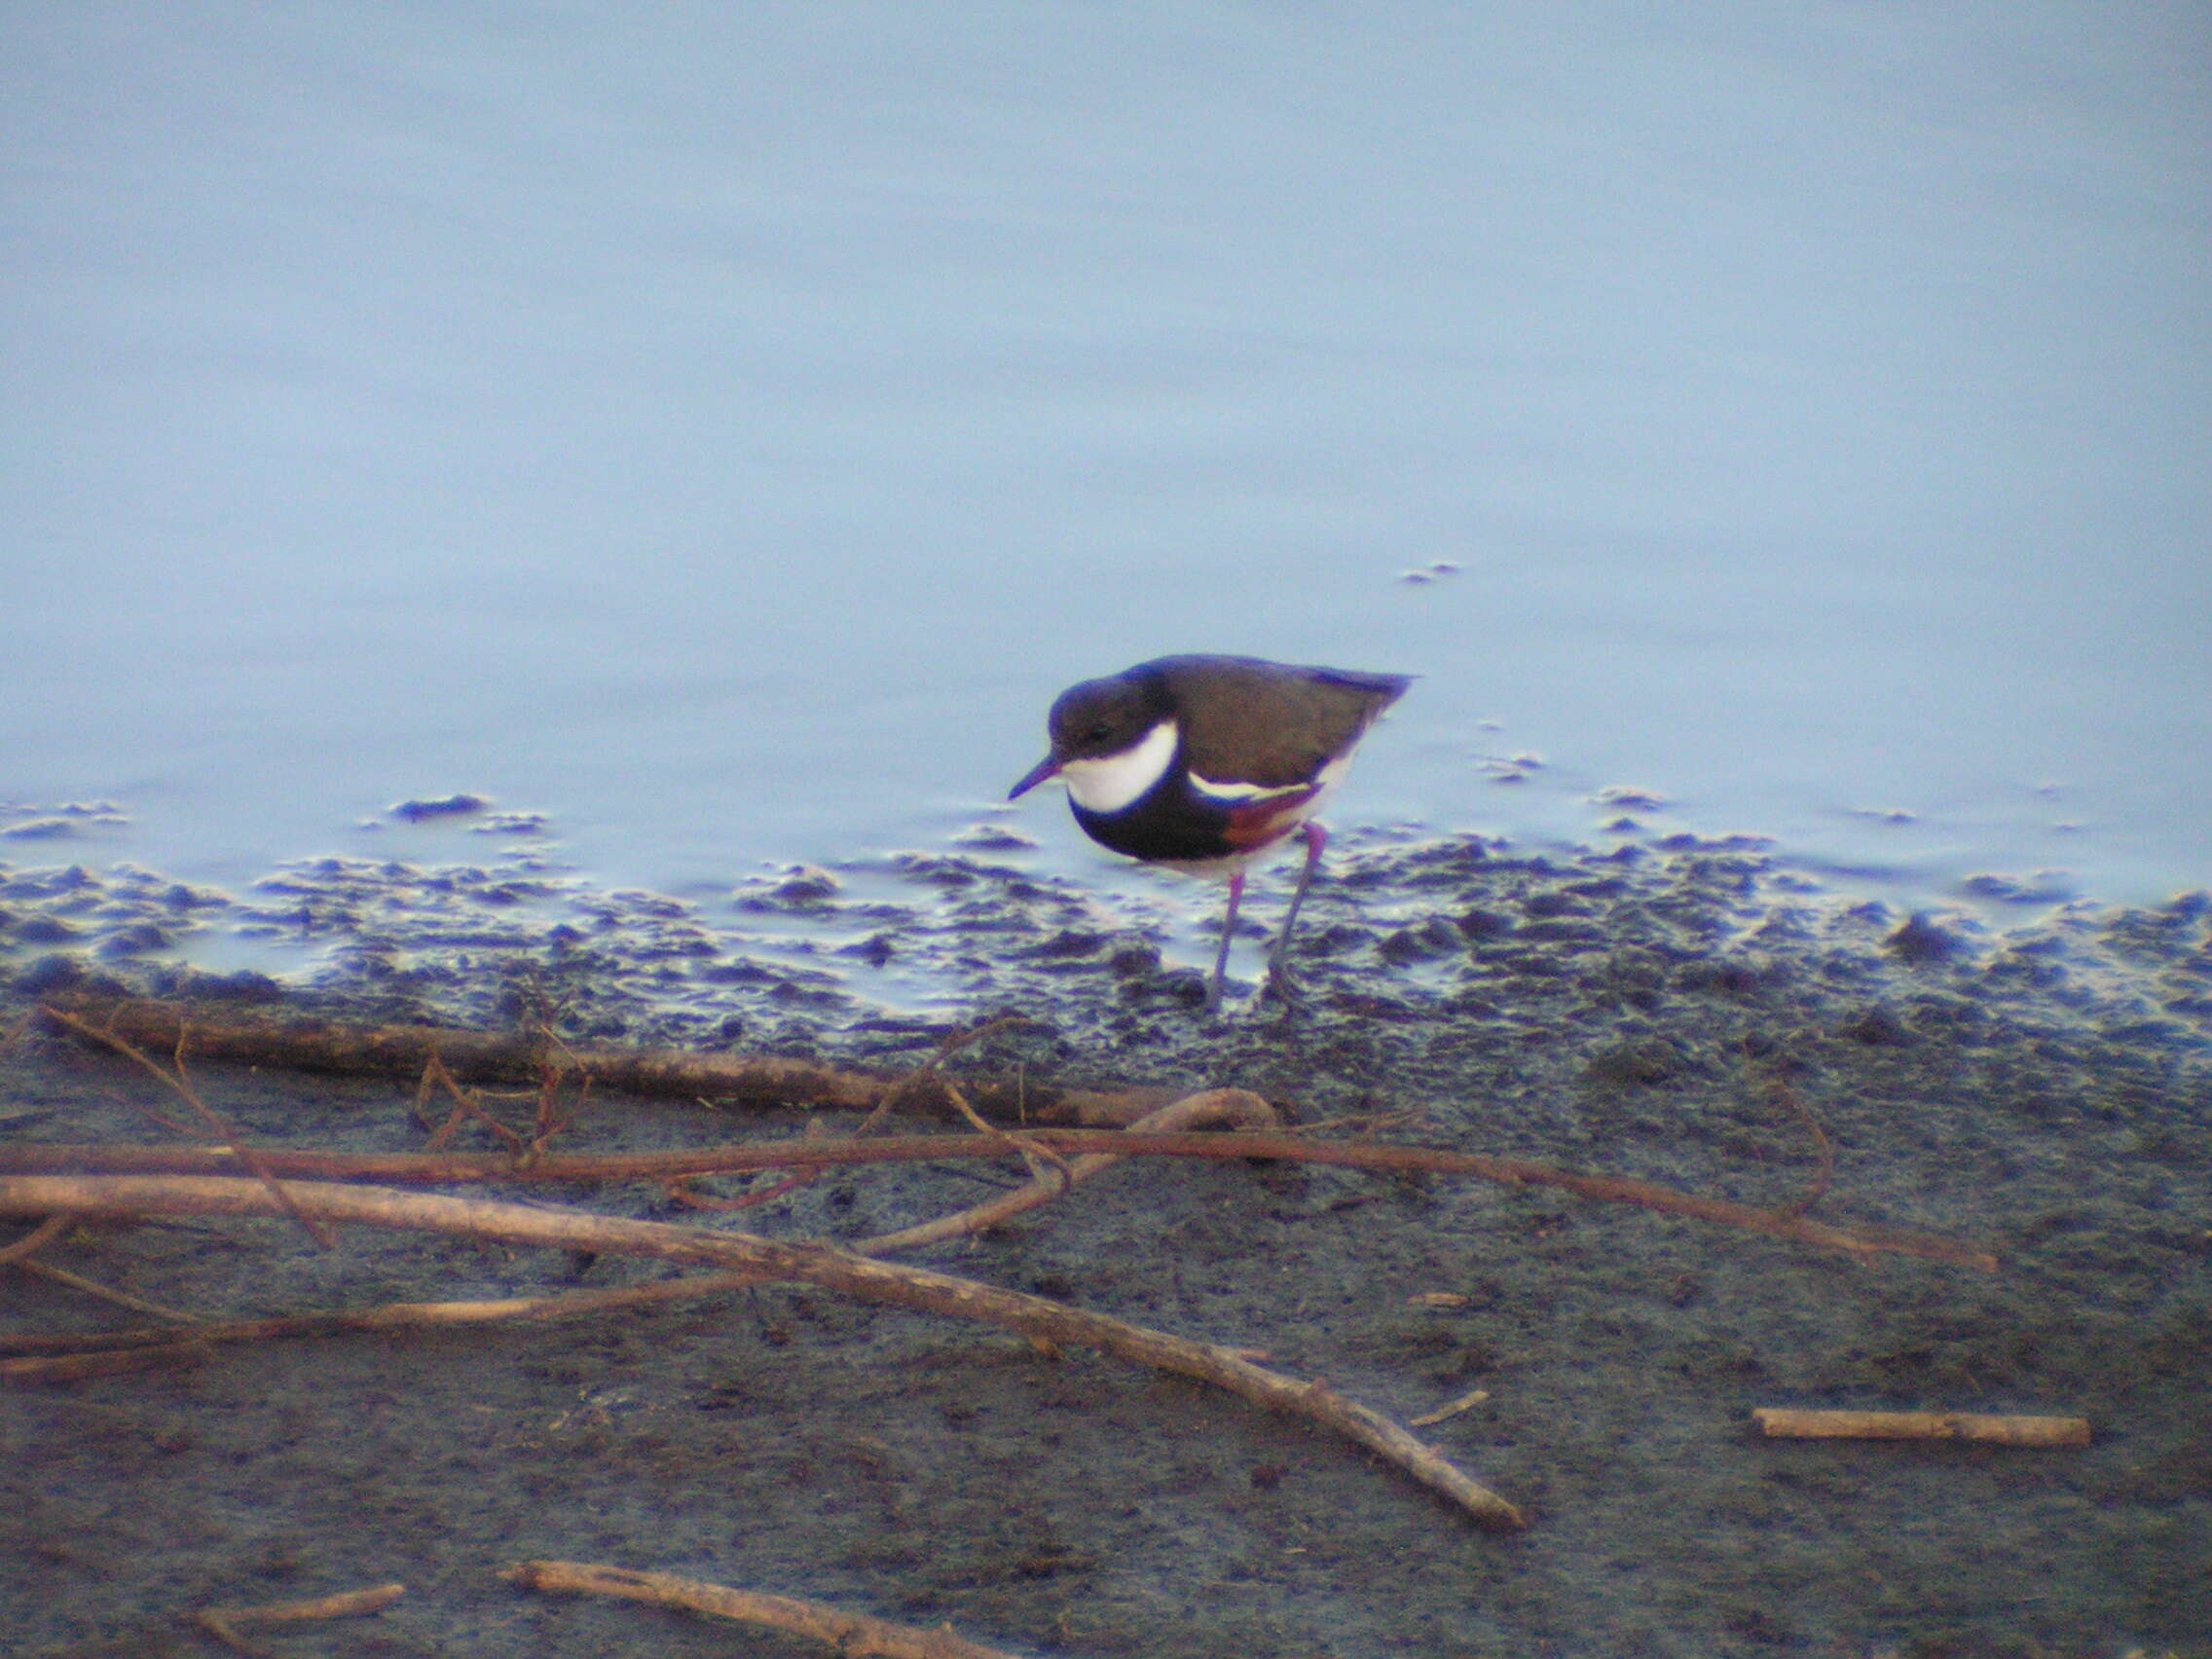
(721,433)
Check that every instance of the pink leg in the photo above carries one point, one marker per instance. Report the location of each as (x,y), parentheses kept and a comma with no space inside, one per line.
(1279,970)
(1228,932)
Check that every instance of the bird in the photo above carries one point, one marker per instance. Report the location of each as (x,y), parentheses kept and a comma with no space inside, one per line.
(1205,764)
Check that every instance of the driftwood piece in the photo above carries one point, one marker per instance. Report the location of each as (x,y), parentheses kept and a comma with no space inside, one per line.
(813,1264)
(855,1634)
(222,1623)
(1787,1422)
(1445,1413)
(556,1059)
(810,1153)
(404,1052)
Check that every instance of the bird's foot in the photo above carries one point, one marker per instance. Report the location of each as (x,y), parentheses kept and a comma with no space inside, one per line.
(1283,988)
(1211,1007)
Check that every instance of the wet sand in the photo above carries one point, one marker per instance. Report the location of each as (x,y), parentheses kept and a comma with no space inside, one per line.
(2045,1092)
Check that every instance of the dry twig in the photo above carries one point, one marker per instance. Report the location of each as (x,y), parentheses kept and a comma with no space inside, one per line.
(854,1635)
(106,1292)
(1786,1422)
(1443,1414)
(467,1108)
(100,1354)
(78,1354)
(933,1070)
(36,1240)
(105,1359)
(814,1263)
(178,1081)
(1235,1106)
(765,1081)
(1823,1149)
(401,1051)
(222,1622)
(803,1153)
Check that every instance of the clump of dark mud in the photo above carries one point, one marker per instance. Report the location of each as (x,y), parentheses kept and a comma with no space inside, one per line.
(2045,1090)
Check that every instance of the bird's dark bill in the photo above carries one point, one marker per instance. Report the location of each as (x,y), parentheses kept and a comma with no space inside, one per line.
(1045,768)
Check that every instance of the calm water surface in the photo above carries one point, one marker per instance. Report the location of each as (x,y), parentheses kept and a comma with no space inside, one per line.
(721,431)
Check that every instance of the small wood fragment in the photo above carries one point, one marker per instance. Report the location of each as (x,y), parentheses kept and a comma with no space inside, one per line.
(857,1635)
(222,1623)
(1786,1423)
(1464,1403)
(348,1605)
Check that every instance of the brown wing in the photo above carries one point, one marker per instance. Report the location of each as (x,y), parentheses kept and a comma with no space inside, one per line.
(1281,725)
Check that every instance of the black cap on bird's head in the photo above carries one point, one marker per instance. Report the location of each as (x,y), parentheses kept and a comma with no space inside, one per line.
(1097,718)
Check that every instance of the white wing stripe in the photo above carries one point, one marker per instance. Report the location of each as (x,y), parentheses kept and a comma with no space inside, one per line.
(1244,792)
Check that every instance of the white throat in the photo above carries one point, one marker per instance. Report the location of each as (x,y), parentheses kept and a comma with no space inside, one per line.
(1110,782)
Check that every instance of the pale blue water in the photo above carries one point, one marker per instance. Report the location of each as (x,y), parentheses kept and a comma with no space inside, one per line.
(721,431)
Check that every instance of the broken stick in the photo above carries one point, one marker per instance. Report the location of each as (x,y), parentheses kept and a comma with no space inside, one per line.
(222,1623)
(855,1635)
(343,1203)
(403,1052)
(1785,1423)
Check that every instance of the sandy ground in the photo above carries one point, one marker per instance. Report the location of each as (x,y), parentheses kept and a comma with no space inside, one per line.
(2045,1092)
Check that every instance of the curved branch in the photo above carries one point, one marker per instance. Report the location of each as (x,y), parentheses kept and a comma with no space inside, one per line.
(813,1264)
(457,1168)
(854,1636)
(403,1052)
(1236,1106)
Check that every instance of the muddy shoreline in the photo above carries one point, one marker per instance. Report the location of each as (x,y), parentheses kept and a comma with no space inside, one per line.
(2044,1089)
